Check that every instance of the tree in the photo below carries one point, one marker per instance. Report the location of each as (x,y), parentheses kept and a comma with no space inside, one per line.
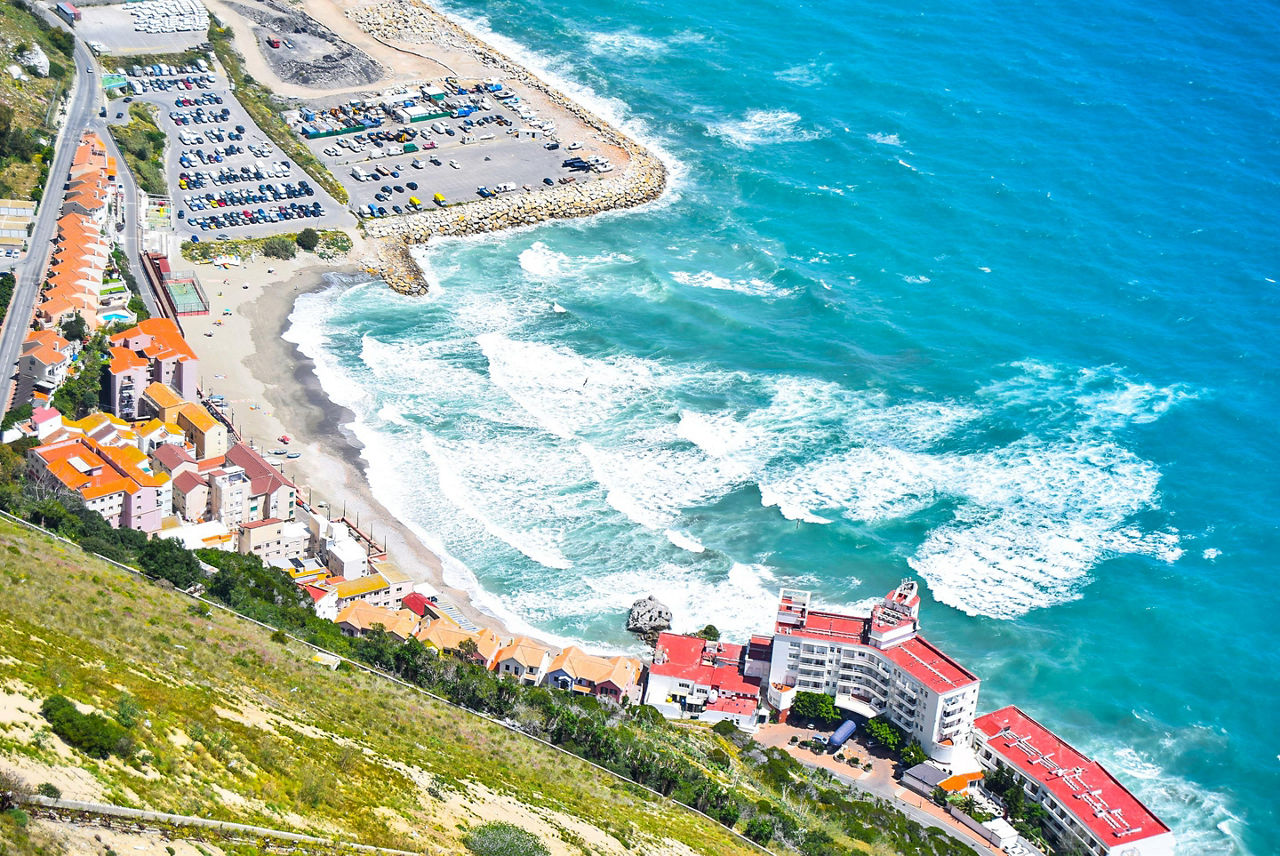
(74,329)
(759,829)
(279,248)
(885,733)
(169,560)
(308,239)
(710,633)
(468,650)
(815,707)
(913,754)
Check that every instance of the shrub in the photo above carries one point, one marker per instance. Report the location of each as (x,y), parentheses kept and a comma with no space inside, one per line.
(497,838)
(51,791)
(759,829)
(279,248)
(725,728)
(93,733)
(308,239)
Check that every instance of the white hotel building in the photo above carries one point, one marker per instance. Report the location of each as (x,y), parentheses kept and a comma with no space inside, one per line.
(1086,805)
(875,665)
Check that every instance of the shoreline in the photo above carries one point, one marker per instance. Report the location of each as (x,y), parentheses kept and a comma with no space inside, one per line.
(272,388)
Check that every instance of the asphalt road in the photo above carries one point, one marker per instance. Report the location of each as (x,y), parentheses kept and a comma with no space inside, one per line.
(29,272)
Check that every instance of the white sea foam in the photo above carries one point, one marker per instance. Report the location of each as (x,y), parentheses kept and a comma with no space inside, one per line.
(807,74)
(918,279)
(629,43)
(540,545)
(540,261)
(685,541)
(765,127)
(705,279)
(1100,398)
(885,139)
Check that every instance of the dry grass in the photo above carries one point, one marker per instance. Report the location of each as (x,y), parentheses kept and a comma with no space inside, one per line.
(238,727)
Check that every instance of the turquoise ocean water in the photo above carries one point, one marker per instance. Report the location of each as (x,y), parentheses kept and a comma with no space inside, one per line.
(982,294)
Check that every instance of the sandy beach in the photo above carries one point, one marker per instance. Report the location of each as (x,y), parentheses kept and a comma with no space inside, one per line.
(271,390)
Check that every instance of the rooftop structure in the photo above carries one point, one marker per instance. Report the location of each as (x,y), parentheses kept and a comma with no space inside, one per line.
(115,481)
(1085,803)
(876,665)
(697,678)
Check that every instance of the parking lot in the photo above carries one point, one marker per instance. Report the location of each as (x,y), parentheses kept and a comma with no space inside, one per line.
(492,147)
(225,177)
(114,29)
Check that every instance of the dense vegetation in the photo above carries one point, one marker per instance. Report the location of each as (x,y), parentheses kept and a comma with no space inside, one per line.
(7,283)
(142,143)
(733,780)
(81,393)
(91,733)
(497,838)
(27,107)
(264,108)
(330,244)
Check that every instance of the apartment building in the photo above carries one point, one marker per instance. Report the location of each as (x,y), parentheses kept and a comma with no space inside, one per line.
(875,665)
(152,351)
(115,481)
(1088,809)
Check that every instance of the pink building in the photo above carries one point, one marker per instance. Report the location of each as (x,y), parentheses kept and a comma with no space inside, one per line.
(152,351)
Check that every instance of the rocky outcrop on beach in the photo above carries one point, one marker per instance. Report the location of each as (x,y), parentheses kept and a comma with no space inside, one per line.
(648,617)
(641,179)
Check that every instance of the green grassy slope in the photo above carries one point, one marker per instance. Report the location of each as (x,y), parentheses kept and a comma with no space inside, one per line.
(233,725)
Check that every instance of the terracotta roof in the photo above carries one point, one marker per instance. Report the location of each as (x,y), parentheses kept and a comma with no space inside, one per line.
(524,651)
(187,481)
(199,418)
(710,664)
(579,665)
(263,477)
(170,456)
(123,360)
(162,395)
(448,636)
(362,616)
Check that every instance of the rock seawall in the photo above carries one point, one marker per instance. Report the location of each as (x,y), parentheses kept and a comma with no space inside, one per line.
(642,178)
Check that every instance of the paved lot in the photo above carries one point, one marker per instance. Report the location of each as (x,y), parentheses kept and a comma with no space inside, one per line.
(504,159)
(113,27)
(335,215)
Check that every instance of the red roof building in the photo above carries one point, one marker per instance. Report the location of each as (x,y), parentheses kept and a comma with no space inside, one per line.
(692,677)
(1087,806)
(876,665)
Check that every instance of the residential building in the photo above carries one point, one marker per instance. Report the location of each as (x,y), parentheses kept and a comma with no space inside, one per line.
(448,638)
(358,618)
(44,362)
(115,481)
(424,607)
(523,660)
(152,434)
(1087,808)
(877,665)
(273,540)
(613,678)
(695,678)
(154,351)
(159,400)
(271,493)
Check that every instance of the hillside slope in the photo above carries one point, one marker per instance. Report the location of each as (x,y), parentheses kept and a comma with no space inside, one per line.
(233,723)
